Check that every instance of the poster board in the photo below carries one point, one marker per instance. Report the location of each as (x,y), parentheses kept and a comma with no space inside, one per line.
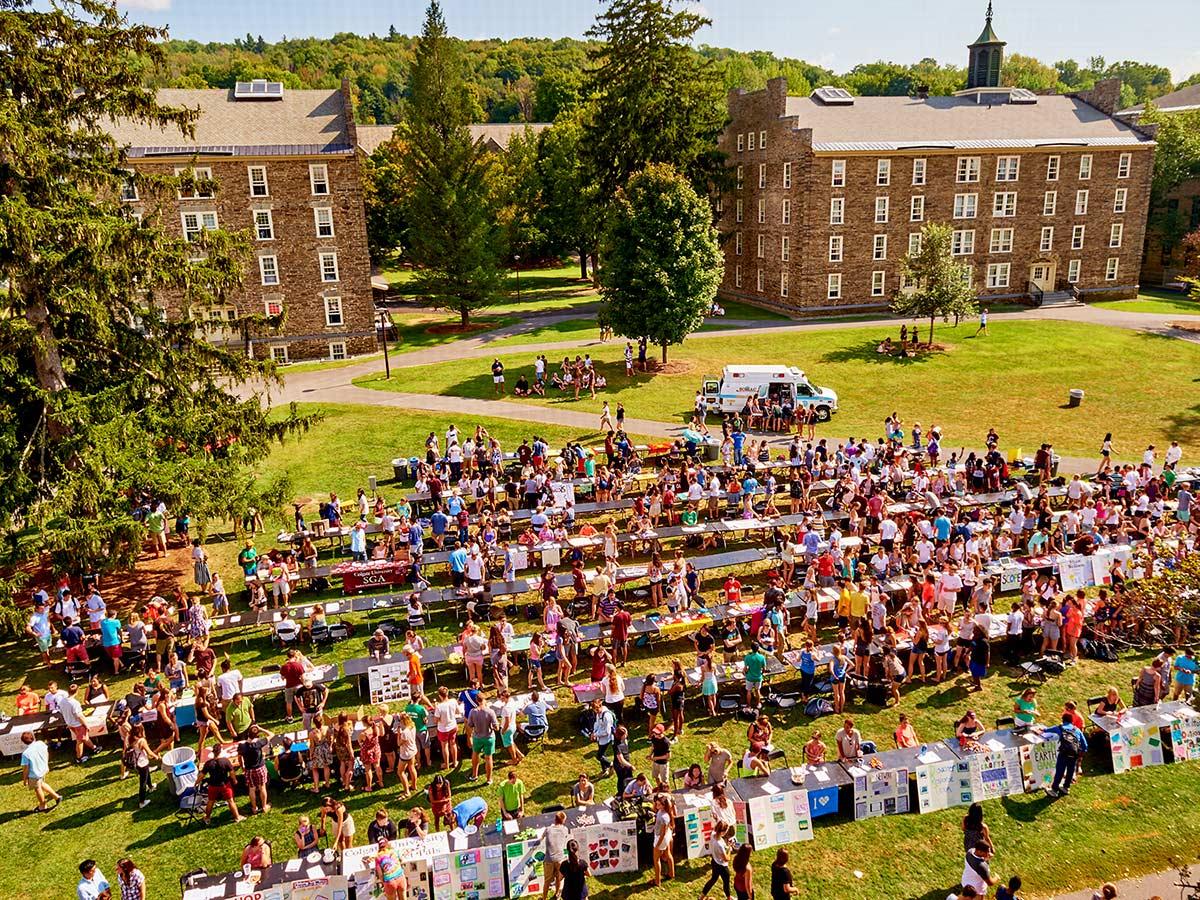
(1075,572)
(780,818)
(475,874)
(1038,760)
(697,824)
(1185,739)
(416,856)
(520,558)
(879,792)
(609,847)
(563,493)
(388,683)
(996,773)
(276,892)
(1135,746)
(1010,579)
(331,887)
(741,828)
(524,859)
(944,784)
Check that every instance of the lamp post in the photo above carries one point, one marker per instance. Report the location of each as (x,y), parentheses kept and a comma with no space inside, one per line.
(517,264)
(384,320)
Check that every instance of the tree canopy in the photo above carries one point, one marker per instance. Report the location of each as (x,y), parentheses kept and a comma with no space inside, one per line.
(938,285)
(663,261)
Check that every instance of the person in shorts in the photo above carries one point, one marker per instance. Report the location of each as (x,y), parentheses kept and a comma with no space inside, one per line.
(218,773)
(35,765)
(254,764)
(483,725)
(498,377)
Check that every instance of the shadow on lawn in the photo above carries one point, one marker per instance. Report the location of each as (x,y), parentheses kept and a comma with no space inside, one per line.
(864,351)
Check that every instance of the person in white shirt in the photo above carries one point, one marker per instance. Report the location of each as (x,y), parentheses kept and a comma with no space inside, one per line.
(1173,455)
(948,586)
(71,711)
(229,683)
(1148,457)
(557,836)
(924,550)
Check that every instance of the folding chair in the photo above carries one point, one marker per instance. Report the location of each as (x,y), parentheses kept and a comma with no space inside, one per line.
(1093,702)
(729,703)
(534,734)
(1031,670)
(677,777)
(1005,722)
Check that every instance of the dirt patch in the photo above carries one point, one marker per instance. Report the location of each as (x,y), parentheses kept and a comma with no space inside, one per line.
(459,328)
(127,590)
(1185,326)
(922,350)
(672,367)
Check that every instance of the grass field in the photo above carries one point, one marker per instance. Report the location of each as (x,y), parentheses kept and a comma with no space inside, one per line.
(1167,303)
(1015,378)
(541,290)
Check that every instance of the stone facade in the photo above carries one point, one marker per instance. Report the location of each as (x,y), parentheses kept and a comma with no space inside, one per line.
(1164,264)
(787,188)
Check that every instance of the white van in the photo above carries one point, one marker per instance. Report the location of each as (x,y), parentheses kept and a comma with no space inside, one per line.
(737,384)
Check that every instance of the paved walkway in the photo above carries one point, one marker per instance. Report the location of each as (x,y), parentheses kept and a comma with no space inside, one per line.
(1160,885)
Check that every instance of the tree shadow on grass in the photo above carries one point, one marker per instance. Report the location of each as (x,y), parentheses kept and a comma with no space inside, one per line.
(864,351)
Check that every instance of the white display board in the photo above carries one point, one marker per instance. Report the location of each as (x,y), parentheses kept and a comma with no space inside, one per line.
(415,854)
(1038,760)
(996,773)
(780,818)
(388,682)
(476,874)
(1135,746)
(944,784)
(1075,572)
(609,847)
(879,792)
(525,860)
(697,824)
(1185,739)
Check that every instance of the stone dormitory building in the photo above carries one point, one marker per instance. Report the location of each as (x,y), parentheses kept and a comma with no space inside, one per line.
(1047,194)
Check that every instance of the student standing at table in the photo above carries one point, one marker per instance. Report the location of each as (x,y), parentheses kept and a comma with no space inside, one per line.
(1184,673)
(1072,745)
(663,838)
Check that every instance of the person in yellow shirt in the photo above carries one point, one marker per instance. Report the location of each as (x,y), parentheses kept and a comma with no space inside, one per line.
(858,602)
(843,605)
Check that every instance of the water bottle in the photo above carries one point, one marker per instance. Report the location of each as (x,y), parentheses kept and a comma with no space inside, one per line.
(924,749)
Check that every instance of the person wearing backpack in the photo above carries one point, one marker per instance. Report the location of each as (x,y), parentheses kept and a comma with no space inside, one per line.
(1071,746)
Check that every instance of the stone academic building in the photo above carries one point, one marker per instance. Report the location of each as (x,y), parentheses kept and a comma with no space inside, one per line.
(1047,194)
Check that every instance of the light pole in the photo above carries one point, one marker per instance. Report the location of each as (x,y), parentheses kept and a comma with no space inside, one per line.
(383,321)
(517,264)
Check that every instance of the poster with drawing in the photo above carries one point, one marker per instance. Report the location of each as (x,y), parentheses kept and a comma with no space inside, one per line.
(388,683)
(944,784)
(1075,572)
(1135,746)
(780,818)
(1038,760)
(1185,739)
(525,858)
(334,887)
(741,828)
(563,493)
(879,792)
(697,824)
(416,856)
(996,773)
(476,874)
(609,847)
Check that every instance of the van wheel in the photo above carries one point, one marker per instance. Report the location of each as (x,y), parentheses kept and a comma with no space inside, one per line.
(823,414)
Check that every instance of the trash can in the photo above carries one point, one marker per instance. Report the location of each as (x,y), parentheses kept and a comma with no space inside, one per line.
(711,451)
(1076,398)
(399,468)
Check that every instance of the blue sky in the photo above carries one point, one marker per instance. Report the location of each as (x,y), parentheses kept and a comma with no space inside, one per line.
(838,34)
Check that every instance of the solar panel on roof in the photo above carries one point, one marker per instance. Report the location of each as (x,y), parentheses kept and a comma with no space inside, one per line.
(1022,95)
(258,89)
(834,96)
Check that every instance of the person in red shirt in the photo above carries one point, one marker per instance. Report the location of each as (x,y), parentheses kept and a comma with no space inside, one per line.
(621,621)
(1069,709)
(599,663)
(825,569)
(292,673)
(733,590)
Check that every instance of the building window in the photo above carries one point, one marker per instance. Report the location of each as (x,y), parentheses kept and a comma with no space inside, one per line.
(194,223)
(740,177)
(1085,167)
(737,213)
(737,271)
(877,283)
(1052,168)
(783,284)
(750,140)
(916,211)
(194,191)
(1115,234)
(785,212)
(720,205)
(1081,203)
(258,181)
(881,210)
(839,173)
(965,206)
(787,174)
(1110,269)
(833,290)
(737,243)
(879,248)
(835,248)
(759,281)
(323,217)
(273,306)
(318,179)
(883,172)
(761,247)
(333,310)
(837,211)
(1073,271)
(1004,204)
(1047,242)
(918,177)
(1077,237)
(1002,240)
(968,169)
(1119,200)
(129,193)
(329,266)
(762,211)
(264,228)
(962,243)
(785,248)
(1007,168)
(997,275)
(337,350)
(741,143)
(762,140)
(1050,203)
(268,268)
(762,175)
(914,243)
(279,354)
(1124,164)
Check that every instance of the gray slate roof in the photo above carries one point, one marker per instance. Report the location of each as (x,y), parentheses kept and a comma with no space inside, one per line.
(1184,98)
(497,134)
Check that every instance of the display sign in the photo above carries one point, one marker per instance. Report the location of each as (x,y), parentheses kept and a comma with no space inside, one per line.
(879,792)
(780,818)
(996,773)
(476,874)
(1075,572)
(697,824)
(388,683)
(609,847)
(944,784)
(1038,760)
(525,859)
(1185,739)
(1134,746)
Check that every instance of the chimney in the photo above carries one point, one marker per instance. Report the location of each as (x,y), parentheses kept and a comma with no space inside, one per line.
(1105,95)
(922,92)
(348,108)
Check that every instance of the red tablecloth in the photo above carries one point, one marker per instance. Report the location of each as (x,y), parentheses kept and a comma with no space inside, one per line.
(359,576)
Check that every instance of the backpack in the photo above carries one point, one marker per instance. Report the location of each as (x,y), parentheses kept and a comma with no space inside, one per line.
(1068,745)
(1052,665)
(747,713)
(129,757)
(817,707)
(1104,652)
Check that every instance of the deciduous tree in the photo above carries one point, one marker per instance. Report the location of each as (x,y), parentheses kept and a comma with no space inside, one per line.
(939,281)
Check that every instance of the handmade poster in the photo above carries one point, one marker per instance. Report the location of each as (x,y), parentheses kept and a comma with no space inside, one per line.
(520,558)
(996,773)
(278,892)
(1075,572)
(944,784)
(1037,763)
(388,682)
(551,556)
(333,887)
(1185,739)
(1135,746)
(1010,578)
(563,493)
(697,824)
(781,818)
(416,855)
(609,847)
(879,792)
(1101,569)
(741,828)
(525,858)
(476,874)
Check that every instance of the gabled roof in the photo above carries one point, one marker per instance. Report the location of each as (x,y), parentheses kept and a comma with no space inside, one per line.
(908,123)
(495,134)
(299,123)
(1176,101)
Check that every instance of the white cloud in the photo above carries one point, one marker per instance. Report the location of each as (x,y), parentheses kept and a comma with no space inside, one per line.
(148,5)
(834,30)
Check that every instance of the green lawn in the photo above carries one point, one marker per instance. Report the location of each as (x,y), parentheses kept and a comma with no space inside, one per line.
(541,290)
(737,310)
(1015,378)
(569,330)
(1148,300)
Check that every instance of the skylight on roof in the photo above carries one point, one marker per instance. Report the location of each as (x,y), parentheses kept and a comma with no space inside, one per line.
(1022,95)
(258,89)
(834,96)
